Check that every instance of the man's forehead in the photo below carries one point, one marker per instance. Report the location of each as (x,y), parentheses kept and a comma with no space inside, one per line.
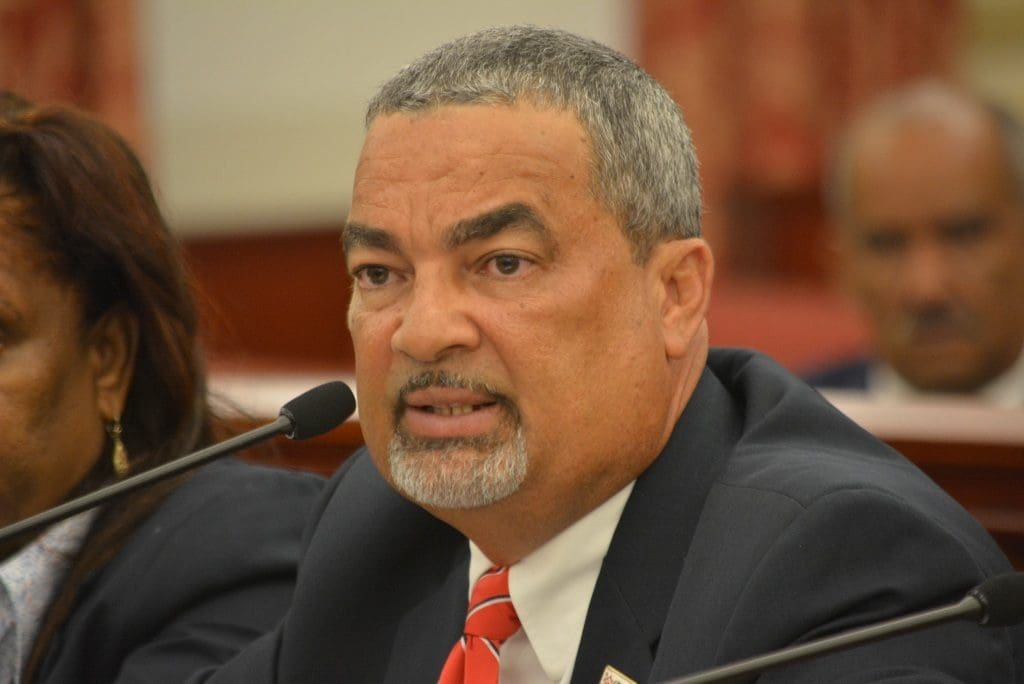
(519,216)
(952,145)
(930,174)
(451,164)
(474,131)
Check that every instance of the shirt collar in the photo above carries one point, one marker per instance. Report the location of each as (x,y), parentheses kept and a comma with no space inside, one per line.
(1006,391)
(551,588)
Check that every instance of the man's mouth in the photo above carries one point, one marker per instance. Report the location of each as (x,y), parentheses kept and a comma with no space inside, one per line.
(939,324)
(452,409)
(449,412)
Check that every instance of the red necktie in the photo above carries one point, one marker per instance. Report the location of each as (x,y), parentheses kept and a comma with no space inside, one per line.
(490,620)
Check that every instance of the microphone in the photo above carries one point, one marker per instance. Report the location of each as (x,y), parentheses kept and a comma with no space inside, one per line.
(312,413)
(996,602)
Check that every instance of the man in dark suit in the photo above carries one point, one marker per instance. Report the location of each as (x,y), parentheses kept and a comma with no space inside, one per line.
(927,190)
(550,439)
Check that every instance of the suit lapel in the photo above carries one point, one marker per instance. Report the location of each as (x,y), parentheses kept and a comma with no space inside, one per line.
(640,572)
(429,629)
(377,593)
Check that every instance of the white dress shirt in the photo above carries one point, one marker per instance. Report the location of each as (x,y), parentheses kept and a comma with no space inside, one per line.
(551,590)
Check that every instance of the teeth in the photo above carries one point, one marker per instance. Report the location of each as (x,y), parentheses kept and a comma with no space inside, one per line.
(452,410)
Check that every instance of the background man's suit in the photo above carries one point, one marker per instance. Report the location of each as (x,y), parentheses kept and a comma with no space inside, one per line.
(851,375)
(767,519)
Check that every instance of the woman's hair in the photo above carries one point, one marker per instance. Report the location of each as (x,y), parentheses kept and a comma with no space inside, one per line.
(77,193)
(75,189)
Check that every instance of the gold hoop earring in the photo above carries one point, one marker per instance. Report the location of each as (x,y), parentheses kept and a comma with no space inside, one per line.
(118,455)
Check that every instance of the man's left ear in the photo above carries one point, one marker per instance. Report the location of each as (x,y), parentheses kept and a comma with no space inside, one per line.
(684,269)
(113,341)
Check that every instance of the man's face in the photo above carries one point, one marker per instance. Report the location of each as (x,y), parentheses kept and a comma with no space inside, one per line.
(507,346)
(934,251)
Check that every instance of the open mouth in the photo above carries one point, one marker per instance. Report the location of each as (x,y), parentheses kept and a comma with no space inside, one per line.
(441,405)
(450,412)
(452,409)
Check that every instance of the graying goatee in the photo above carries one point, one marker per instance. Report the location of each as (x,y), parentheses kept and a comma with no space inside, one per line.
(458,472)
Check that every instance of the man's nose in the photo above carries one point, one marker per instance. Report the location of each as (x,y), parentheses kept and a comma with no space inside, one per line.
(927,275)
(435,321)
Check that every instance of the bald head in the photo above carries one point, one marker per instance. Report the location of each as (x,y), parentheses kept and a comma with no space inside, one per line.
(928,113)
(928,194)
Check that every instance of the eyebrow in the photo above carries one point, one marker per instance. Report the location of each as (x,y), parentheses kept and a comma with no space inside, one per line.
(359,235)
(488,224)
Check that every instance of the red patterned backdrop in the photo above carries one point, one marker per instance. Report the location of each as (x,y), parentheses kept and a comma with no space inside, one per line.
(765,85)
(75,51)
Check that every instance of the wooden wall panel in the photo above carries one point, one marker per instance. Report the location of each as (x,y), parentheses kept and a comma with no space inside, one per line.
(273,300)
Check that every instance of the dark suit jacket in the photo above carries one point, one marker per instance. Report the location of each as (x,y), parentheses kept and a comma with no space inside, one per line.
(209,571)
(768,519)
(850,375)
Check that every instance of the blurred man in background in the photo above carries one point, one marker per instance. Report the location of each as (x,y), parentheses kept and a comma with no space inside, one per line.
(927,191)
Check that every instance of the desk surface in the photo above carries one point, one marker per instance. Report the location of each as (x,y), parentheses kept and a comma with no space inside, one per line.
(933,420)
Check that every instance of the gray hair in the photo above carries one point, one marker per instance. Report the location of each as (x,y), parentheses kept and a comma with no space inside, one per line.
(644,165)
(928,99)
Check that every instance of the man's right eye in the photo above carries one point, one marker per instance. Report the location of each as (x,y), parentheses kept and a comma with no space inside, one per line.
(372,276)
(884,243)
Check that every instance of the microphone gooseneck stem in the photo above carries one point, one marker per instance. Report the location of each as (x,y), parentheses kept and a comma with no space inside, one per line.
(968,607)
(281,425)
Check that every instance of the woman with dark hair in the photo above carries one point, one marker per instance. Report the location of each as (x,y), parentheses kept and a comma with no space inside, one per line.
(101,375)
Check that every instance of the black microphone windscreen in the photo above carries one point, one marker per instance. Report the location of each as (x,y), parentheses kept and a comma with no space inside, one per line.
(320,409)
(1003,599)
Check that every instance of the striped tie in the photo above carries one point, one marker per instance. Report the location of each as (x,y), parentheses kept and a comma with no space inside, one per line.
(490,620)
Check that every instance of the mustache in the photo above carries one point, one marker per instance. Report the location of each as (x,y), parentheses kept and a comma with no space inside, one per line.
(451,380)
(938,319)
